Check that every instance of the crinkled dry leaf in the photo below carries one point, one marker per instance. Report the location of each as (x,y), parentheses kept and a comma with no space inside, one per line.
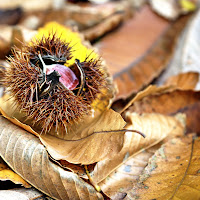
(25,154)
(170,102)
(7,174)
(150,90)
(173,170)
(92,141)
(165,103)
(124,177)
(21,194)
(97,146)
(156,127)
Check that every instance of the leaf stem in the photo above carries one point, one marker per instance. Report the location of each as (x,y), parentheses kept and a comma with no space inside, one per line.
(98,189)
(123,130)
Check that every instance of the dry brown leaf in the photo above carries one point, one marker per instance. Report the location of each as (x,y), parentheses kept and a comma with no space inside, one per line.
(132,78)
(25,154)
(156,127)
(4,48)
(106,120)
(123,46)
(91,142)
(11,16)
(21,194)
(165,103)
(98,140)
(142,72)
(97,146)
(193,115)
(150,90)
(103,27)
(171,102)
(124,177)
(7,174)
(172,173)
(12,113)
(184,81)
(76,15)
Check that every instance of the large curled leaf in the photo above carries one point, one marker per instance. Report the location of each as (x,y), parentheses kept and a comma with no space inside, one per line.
(120,54)
(24,153)
(173,170)
(92,140)
(140,73)
(156,127)
(97,146)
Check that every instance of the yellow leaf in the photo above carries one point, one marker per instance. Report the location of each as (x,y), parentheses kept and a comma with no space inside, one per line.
(188,5)
(7,174)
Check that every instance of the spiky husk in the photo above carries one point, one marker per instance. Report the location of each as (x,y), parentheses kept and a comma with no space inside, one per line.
(61,106)
(49,46)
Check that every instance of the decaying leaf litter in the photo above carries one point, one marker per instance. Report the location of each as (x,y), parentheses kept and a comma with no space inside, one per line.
(99,161)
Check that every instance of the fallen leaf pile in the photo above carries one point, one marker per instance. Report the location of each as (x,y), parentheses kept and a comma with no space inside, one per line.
(156,87)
